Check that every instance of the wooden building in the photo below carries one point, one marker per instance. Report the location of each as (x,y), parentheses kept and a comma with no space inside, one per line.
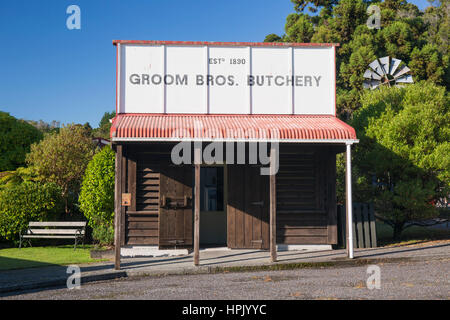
(272,177)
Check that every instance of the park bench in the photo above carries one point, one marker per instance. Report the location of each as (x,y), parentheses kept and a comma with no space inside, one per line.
(55,230)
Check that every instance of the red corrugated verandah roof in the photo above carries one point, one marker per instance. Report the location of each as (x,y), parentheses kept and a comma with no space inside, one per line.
(207,127)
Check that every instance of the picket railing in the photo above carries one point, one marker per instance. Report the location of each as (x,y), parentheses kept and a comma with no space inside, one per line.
(364,230)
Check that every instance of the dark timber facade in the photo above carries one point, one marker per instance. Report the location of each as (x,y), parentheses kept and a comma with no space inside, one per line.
(162,206)
(230,202)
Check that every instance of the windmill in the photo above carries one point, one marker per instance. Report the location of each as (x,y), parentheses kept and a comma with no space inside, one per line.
(386,71)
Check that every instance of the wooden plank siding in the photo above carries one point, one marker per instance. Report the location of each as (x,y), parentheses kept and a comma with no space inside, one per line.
(143,182)
(306,195)
(175,217)
(151,175)
(142,228)
(247,208)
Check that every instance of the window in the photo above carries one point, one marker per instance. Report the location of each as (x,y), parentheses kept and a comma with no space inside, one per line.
(211,188)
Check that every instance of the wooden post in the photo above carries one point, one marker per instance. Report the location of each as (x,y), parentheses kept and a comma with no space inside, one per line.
(197,161)
(118,206)
(273,205)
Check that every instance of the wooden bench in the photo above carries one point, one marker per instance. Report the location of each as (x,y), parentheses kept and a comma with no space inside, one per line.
(64,230)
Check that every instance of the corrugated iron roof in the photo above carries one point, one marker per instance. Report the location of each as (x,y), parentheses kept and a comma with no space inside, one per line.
(230,127)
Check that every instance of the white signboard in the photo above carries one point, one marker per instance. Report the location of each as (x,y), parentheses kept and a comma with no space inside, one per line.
(225,79)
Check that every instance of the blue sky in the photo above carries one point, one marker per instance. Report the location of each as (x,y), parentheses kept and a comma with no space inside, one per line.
(51,73)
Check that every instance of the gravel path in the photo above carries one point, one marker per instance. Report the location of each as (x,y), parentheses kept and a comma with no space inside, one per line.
(400,280)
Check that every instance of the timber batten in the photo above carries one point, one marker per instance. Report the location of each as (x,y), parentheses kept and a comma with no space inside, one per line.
(247,208)
(306,196)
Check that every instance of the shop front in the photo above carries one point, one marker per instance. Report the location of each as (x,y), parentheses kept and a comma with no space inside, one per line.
(226,145)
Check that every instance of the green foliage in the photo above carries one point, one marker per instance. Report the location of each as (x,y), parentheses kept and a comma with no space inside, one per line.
(325,34)
(404,150)
(428,63)
(45,127)
(353,71)
(62,158)
(97,195)
(349,14)
(438,25)
(104,234)
(106,117)
(104,126)
(272,38)
(16,136)
(313,5)
(298,28)
(27,201)
(398,40)
(418,38)
(402,162)
(20,175)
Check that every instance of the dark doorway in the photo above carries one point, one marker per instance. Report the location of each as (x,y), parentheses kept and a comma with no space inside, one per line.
(213,218)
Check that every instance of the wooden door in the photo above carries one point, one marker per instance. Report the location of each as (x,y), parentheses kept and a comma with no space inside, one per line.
(175,220)
(248,207)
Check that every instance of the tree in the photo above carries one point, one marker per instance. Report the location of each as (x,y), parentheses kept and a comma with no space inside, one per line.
(16,137)
(272,38)
(298,28)
(398,40)
(428,64)
(349,14)
(404,151)
(104,126)
(437,19)
(325,34)
(416,37)
(45,127)
(62,158)
(313,5)
(97,195)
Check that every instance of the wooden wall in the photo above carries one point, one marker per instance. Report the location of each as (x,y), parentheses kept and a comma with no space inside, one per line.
(305,192)
(143,182)
(149,176)
(306,195)
(247,208)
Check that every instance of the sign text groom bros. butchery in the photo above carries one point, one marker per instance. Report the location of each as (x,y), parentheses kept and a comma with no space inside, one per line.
(157,78)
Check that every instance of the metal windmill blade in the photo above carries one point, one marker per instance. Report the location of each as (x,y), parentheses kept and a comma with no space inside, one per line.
(385,70)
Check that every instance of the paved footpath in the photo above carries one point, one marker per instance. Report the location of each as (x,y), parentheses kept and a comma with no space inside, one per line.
(407,272)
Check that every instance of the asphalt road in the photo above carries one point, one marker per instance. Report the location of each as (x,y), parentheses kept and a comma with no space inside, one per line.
(400,280)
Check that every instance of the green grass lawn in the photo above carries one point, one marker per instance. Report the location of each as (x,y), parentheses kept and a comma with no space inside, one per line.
(410,235)
(32,257)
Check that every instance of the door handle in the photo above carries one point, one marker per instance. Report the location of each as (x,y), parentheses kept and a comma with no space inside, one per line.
(175,203)
(163,201)
(258,203)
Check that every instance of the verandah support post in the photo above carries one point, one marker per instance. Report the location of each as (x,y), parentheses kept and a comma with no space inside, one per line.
(117,205)
(197,160)
(349,203)
(273,206)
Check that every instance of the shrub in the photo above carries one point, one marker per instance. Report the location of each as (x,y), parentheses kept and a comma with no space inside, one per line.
(404,151)
(97,196)
(28,201)
(16,136)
